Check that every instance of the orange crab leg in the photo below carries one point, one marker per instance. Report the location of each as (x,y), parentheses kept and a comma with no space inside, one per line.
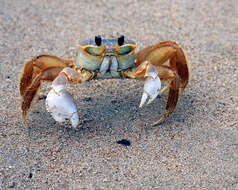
(43,67)
(38,64)
(177,73)
(173,94)
(160,53)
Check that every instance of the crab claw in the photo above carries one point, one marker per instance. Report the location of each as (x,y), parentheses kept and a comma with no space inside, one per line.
(61,106)
(152,85)
(60,103)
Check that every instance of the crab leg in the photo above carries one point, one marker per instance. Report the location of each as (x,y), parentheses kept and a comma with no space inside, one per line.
(43,67)
(38,65)
(177,73)
(59,102)
(174,89)
(162,52)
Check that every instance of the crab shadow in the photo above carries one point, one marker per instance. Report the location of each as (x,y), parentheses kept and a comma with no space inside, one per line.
(112,114)
(109,117)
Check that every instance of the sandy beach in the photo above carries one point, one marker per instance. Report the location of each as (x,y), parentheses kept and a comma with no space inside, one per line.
(195,148)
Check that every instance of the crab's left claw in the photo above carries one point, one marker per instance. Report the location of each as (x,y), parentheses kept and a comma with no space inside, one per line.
(152,84)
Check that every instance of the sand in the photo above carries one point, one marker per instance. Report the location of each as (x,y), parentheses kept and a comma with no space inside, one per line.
(195,148)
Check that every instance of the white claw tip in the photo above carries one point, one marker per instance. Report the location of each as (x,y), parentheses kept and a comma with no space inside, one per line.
(143,99)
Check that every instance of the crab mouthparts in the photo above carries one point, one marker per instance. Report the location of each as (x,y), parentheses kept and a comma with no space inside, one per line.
(109,66)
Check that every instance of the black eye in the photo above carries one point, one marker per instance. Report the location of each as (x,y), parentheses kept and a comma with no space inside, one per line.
(98,40)
(121,40)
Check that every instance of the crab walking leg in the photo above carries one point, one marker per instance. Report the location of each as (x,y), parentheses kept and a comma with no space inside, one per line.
(40,68)
(168,74)
(165,89)
(46,66)
(59,102)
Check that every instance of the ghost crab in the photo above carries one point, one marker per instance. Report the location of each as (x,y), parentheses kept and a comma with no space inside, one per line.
(106,58)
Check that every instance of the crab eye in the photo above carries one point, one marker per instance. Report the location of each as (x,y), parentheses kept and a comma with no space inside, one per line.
(98,40)
(125,50)
(94,51)
(120,40)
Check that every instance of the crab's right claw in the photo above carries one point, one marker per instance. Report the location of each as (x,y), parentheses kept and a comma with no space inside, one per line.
(59,102)
(61,106)
(152,85)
